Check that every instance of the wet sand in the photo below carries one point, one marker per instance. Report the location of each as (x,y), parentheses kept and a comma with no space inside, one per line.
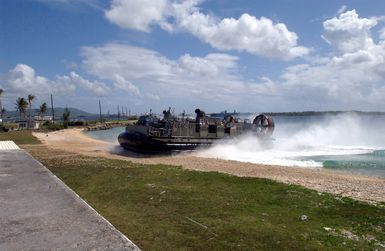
(341,183)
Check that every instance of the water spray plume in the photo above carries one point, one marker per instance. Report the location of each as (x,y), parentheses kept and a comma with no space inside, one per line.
(297,139)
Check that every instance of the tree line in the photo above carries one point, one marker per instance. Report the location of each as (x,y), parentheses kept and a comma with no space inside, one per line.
(24,106)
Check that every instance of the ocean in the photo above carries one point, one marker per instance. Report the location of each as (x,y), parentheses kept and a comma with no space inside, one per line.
(110,135)
(347,142)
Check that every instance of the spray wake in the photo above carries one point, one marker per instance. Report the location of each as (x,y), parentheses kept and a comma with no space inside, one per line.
(297,139)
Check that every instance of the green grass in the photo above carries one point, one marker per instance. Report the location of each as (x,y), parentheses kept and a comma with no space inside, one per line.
(19,137)
(163,207)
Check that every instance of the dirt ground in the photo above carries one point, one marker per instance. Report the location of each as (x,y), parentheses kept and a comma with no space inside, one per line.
(341,183)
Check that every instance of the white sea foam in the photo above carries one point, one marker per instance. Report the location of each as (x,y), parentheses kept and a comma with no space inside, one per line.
(295,141)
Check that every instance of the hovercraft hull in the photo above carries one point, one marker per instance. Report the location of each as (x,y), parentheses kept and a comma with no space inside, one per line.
(139,142)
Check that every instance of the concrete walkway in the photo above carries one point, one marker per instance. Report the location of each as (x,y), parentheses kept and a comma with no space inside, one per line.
(39,212)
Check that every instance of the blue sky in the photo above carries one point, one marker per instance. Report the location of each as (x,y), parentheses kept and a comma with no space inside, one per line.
(289,55)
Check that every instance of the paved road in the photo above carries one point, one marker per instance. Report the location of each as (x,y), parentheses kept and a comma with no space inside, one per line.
(39,212)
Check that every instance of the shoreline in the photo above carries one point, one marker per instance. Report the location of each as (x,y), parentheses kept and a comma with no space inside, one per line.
(340,183)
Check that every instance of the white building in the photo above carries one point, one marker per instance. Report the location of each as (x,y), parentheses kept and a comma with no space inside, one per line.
(34,123)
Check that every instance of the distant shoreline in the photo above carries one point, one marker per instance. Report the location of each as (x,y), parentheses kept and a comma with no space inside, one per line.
(312,113)
(77,114)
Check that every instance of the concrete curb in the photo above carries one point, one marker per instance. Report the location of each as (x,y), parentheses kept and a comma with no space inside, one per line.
(82,200)
(40,212)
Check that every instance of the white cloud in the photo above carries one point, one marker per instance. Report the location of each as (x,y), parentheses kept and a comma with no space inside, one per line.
(139,15)
(382,33)
(123,84)
(94,87)
(349,32)
(256,36)
(22,80)
(211,65)
(353,79)
(71,89)
(129,62)
(342,9)
(153,96)
(212,78)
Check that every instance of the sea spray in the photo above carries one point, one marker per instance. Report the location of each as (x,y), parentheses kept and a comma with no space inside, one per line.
(298,139)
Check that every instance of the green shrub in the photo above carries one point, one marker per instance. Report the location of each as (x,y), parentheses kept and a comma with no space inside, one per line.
(48,125)
(11,126)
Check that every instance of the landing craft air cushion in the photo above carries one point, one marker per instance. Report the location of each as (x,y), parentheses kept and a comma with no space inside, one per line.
(152,135)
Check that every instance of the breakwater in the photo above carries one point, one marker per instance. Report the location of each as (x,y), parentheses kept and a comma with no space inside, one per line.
(105,126)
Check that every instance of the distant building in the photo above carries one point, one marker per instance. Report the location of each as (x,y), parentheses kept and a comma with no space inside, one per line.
(34,123)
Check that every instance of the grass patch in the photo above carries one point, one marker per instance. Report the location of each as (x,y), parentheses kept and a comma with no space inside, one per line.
(20,137)
(162,207)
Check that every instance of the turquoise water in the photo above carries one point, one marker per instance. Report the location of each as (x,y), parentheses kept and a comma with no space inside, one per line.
(371,163)
(110,135)
(354,143)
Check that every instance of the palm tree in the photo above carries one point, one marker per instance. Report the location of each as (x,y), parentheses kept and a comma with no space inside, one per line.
(43,109)
(1,106)
(30,99)
(2,112)
(66,116)
(21,106)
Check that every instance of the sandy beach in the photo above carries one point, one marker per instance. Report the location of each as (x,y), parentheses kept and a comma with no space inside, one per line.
(341,183)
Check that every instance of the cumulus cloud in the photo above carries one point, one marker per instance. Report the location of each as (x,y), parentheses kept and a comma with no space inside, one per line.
(139,15)
(211,65)
(247,33)
(349,32)
(22,80)
(352,78)
(126,61)
(256,36)
(123,84)
(114,61)
(94,87)
(213,78)
(355,77)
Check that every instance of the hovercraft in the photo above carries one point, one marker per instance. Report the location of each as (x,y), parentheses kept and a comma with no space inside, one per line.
(150,134)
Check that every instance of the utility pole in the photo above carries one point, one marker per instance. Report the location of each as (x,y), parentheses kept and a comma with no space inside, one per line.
(118,113)
(100,112)
(53,113)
